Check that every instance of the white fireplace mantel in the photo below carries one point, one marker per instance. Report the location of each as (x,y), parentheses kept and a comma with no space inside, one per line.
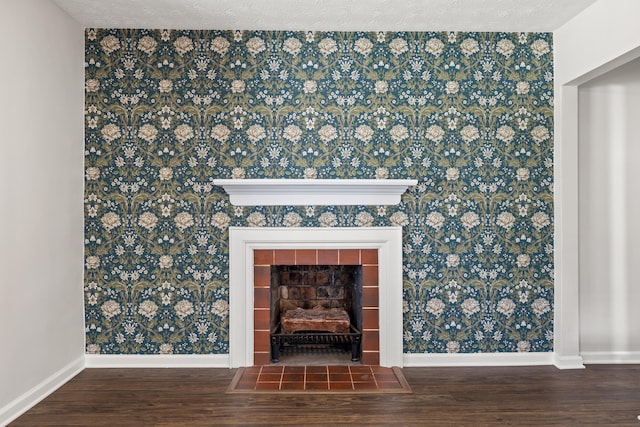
(314,192)
(244,240)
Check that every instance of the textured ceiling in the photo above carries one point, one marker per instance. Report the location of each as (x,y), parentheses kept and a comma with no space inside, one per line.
(327,15)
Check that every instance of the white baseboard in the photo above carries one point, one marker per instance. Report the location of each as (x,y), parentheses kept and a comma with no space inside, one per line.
(611,357)
(568,362)
(157,361)
(23,403)
(477,359)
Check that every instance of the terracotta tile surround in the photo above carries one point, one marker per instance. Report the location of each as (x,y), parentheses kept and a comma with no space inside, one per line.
(263,260)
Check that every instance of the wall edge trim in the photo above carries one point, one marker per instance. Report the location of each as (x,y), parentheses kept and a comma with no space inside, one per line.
(157,361)
(477,359)
(611,357)
(39,392)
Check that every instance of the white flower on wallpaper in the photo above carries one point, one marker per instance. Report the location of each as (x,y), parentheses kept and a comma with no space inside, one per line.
(364,133)
(522,88)
(540,306)
(453,347)
(92,85)
(453,260)
(147,45)
(399,133)
(166,348)
(183,45)
(165,261)
(165,173)
(111,132)
(292,133)
(363,46)
(540,134)
(470,306)
(220,133)
(505,134)
(220,45)
(381,87)
(506,220)
(469,47)
(435,307)
(452,174)
(435,133)
(540,220)
(220,308)
(255,45)
(184,308)
(292,219)
(110,220)
(382,173)
(110,44)
(505,47)
(310,173)
(110,309)
(523,260)
(183,132)
(522,174)
(364,219)
(310,86)
(399,219)
(184,220)
(92,262)
(292,46)
(524,346)
(540,47)
(256,219)
(327,133)
(434,46)
(168,111)
(398,46)
(220,220)
(148,309)
(470,220)
(92,173)
(256,133)
(452,87)
(469,133)
(238,173)
(506,307)
(327,46)
(435,220)
(148,133)
(327,219)
(237,86)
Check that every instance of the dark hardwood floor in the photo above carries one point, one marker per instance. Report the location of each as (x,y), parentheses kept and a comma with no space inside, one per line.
(543,396)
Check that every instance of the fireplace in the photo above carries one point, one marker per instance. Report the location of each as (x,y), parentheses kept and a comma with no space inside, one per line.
(374,256)
(322,300)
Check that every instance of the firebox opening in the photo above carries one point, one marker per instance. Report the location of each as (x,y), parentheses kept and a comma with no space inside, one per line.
(316,310)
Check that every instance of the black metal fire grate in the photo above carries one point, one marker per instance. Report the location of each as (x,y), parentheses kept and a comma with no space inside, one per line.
(316,342)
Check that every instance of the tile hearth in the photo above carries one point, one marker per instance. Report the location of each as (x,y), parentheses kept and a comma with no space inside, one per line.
(353,379)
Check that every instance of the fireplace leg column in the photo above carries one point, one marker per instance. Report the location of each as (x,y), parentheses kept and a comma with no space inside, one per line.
(275,350)
(355,349)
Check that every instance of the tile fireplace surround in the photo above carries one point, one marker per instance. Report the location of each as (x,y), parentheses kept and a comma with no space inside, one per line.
(263,259)
(252,252)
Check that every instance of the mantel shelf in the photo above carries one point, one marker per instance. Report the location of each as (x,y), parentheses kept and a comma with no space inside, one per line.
(314,192)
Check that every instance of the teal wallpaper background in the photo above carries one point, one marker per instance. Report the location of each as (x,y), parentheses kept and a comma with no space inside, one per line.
(470,115)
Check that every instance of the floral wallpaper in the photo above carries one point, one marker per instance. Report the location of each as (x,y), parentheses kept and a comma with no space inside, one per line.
(470,115)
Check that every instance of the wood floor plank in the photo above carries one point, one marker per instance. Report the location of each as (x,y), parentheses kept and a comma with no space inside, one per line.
(485,396)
